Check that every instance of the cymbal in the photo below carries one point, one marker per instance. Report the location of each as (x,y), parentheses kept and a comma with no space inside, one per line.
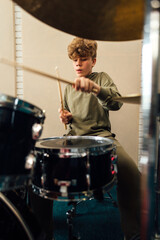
(132,98)
(108,20)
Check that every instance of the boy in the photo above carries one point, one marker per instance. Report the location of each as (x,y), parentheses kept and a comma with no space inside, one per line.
(86,110)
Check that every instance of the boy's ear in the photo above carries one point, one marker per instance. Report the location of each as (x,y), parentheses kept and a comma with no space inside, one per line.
(94,62)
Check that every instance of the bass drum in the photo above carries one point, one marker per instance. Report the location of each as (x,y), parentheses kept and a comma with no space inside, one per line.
(17,220)
(74,167)
(20,126)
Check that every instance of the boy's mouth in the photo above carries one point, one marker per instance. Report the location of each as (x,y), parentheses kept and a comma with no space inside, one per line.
(79,70)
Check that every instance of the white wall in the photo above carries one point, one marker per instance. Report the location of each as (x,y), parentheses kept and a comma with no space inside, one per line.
(7,75)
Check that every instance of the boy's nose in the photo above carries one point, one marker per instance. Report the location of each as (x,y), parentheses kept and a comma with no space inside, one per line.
(79,62)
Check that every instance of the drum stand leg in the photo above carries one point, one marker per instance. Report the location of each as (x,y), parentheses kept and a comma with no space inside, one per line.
(70,214)
(100,197)
(111,198)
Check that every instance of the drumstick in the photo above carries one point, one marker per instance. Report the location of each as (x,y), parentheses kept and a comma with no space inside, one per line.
(26,68)
(132,98)
(60,93)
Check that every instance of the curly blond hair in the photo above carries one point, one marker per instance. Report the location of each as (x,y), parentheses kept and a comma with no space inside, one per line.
(80,47)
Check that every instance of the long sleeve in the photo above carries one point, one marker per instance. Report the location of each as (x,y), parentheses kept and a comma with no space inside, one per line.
(90,112)
(107,92)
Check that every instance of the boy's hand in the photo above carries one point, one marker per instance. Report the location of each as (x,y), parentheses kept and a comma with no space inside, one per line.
(65,116)
(86,85)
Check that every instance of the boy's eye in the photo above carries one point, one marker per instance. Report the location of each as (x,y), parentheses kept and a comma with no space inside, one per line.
(81,59)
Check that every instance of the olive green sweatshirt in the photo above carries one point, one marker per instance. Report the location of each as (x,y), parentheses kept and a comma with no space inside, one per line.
(91,113)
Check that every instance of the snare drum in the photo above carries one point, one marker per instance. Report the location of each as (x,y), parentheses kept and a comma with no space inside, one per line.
(72,167)
(20,126)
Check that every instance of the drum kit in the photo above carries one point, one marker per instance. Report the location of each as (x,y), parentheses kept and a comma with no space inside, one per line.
(64,168)
(51,165)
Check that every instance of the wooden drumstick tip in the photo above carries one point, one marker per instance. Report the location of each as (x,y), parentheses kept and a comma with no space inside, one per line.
(60,93)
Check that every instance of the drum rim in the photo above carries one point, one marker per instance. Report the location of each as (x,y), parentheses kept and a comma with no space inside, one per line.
(18,104)
(83,195)
(105,142)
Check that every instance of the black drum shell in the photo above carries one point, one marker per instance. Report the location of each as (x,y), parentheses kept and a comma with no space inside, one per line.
(17,118)
(48,169)
(15,140)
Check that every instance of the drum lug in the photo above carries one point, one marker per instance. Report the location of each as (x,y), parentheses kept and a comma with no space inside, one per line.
(88,180)
(114,159)
(30,161)
(64,187)
(36,130)
(42,116)
(114,163)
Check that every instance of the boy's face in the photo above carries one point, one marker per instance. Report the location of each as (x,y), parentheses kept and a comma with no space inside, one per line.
(83,66)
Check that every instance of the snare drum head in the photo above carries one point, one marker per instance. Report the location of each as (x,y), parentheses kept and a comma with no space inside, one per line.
(93,144)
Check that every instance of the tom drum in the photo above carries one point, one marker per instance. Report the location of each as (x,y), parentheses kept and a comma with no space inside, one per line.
(20,127)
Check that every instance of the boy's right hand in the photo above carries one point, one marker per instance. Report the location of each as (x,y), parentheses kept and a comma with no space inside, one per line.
(65,116)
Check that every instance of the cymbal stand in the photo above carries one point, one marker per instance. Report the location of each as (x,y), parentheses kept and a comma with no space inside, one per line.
(157,181)
(149,105)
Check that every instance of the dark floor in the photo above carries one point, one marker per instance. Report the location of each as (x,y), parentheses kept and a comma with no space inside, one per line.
(94,220)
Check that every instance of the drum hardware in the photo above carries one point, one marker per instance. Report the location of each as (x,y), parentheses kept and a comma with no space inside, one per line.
(157,184)
(37,131)
(100,20)
(64,187)
(114,159)
(149,108)
(30,161)
(112,200)
(88,179)
(70,214)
